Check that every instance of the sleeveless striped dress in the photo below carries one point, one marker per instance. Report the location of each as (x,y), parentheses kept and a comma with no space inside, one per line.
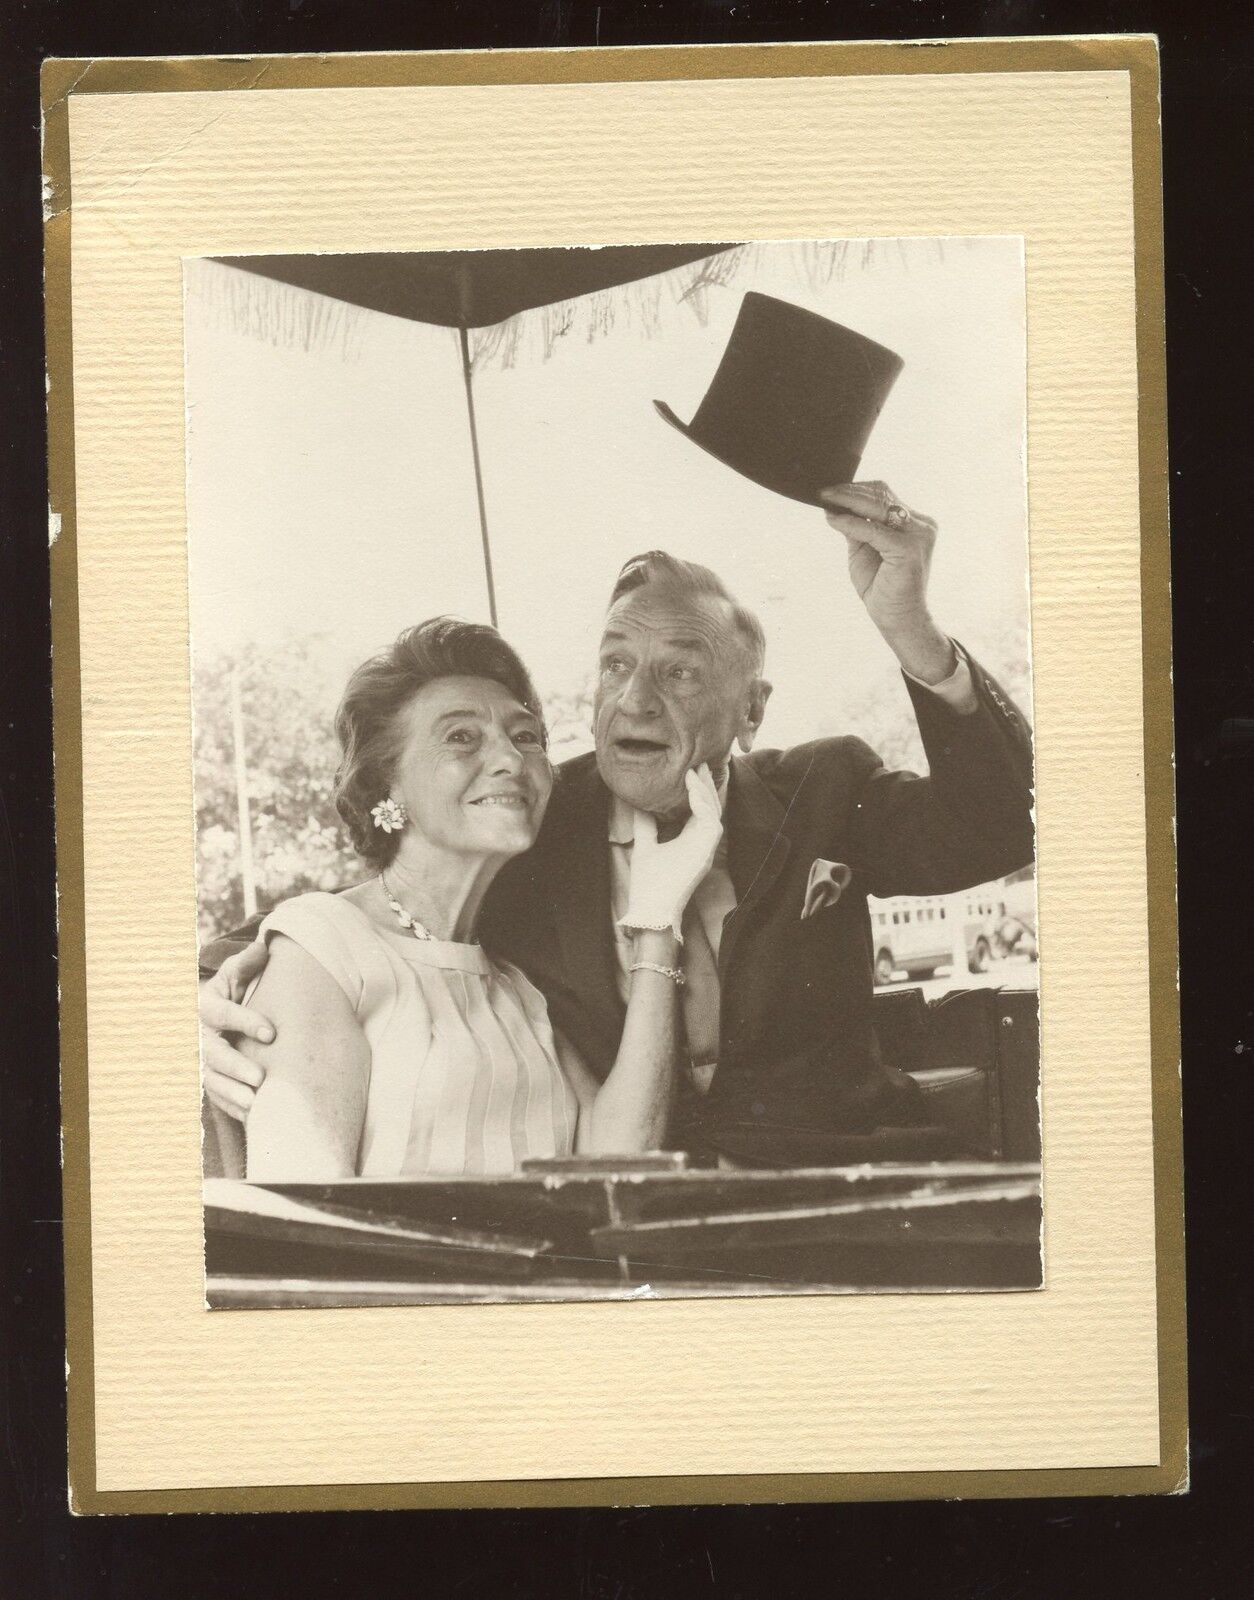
(464,1075)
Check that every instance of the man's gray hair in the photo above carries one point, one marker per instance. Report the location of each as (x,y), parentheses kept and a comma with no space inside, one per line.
(691,578)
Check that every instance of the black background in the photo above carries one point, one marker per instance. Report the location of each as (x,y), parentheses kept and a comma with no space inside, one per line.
(1197,1545)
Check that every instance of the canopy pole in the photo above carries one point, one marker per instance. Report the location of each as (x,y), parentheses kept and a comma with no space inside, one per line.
(464,337)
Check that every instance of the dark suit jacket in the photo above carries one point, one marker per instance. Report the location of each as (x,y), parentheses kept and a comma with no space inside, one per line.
(798,1054)
(797,1048)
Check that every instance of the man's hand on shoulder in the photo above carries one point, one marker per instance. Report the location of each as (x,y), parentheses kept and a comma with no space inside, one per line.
(890,559)
(231,1080)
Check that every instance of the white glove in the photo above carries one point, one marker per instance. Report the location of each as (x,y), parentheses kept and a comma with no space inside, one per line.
(663,876)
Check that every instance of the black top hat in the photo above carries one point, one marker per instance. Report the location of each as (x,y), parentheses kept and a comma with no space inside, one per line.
(794,399)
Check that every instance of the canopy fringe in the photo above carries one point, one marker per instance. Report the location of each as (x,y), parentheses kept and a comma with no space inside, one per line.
(276,313)
(291,318)
(815,265)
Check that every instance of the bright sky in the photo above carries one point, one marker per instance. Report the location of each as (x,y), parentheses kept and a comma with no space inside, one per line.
(333,494)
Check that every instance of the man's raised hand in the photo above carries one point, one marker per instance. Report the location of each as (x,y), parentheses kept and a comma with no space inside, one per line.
(890,559)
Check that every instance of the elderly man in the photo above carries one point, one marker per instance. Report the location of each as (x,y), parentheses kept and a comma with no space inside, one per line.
(777,952)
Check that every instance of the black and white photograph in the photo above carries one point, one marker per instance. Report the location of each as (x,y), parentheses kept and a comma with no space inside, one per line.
(613,772)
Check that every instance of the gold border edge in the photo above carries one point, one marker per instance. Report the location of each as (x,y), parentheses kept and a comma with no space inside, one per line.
(68,790)
(596,63)
(1159,737)
(481,1494)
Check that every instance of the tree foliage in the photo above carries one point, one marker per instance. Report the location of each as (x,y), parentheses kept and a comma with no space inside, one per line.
(883,715)
(290,760)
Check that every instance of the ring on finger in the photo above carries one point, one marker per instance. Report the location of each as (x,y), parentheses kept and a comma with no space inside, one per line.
(897,515)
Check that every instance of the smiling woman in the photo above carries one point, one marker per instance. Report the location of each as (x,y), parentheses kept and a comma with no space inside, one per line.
(434,699)
(383,1041)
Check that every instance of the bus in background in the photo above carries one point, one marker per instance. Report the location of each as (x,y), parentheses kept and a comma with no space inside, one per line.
(915,936)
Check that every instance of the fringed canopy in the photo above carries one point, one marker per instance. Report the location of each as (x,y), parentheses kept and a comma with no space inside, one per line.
(471,288)
(513,303)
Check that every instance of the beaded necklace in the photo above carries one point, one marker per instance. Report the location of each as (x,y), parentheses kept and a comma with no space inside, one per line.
(402,916)
(410,923)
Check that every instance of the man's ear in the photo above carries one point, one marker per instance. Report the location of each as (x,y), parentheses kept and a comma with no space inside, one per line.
(759,694)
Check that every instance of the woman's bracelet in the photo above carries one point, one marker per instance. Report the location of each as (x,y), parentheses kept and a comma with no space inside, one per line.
(673,973)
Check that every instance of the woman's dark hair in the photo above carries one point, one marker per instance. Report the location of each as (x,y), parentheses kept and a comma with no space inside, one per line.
(367,723)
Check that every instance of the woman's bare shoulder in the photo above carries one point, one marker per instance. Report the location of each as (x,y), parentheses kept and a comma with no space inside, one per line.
(298,984)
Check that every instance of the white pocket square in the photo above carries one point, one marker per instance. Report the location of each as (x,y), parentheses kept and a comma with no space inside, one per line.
(828,881)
